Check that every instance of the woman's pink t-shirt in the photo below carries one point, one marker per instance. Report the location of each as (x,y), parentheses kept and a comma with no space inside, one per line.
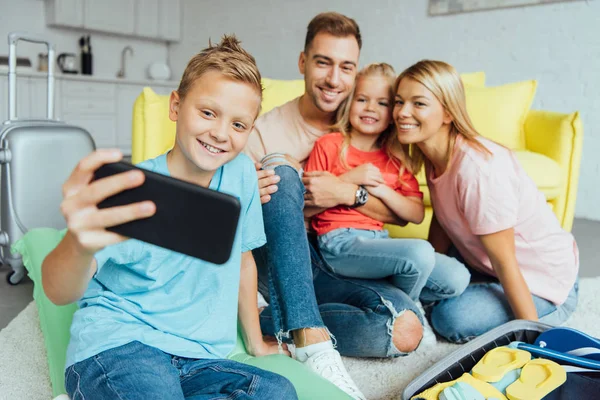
(481,194)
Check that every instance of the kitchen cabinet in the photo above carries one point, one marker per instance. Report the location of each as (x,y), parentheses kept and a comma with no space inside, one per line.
(104,108)
(64,13)
(153,19)
(114,16)
(146,18)
(169,23)
(31,98)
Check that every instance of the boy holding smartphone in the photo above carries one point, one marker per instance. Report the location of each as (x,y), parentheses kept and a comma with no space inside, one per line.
(152,323)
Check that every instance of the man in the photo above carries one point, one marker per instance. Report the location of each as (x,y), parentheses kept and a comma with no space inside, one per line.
(368,318)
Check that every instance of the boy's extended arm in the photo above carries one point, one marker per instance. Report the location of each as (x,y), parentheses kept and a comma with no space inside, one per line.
(66,272)
(248,310)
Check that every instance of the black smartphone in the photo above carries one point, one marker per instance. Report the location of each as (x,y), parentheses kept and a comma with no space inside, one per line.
(189,219)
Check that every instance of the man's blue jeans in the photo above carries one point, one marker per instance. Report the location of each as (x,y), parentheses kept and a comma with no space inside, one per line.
(138,372)
(304,293)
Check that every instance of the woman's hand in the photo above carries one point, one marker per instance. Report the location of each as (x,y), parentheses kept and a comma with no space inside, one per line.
(365,174)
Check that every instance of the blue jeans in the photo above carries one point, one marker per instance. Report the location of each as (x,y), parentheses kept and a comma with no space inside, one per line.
(407,263)
(483,306)
(138,372)
(304,293)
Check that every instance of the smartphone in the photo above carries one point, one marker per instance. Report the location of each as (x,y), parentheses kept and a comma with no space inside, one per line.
(189,219)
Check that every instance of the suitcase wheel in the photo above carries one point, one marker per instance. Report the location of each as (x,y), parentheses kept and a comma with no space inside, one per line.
(14,277)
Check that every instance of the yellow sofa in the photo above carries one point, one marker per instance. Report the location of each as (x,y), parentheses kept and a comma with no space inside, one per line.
(548,144)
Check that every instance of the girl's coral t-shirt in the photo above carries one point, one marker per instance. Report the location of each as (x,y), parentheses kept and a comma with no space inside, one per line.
(325,157)
(480,195)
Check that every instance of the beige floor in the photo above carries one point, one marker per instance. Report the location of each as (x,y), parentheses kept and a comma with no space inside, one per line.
(13,299)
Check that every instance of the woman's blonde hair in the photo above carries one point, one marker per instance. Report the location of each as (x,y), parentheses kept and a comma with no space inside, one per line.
(443,81)
(388,139)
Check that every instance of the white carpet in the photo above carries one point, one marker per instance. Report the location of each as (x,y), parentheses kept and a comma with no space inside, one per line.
(24,372)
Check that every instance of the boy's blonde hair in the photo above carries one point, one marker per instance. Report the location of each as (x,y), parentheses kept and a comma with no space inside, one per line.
(333,23)
(444,82)
(387,140)
(227,57)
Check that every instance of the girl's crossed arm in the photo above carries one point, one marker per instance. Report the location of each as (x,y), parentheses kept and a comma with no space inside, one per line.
(407,208)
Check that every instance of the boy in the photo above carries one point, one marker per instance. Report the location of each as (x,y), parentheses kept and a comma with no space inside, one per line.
(152,323)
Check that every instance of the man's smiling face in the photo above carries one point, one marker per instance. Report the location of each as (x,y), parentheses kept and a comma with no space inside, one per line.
(329,67)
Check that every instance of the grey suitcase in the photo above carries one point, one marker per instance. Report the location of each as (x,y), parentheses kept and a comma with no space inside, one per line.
(36,157)
(464,359)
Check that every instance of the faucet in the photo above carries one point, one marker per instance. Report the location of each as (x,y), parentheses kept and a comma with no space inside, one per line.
(121,73)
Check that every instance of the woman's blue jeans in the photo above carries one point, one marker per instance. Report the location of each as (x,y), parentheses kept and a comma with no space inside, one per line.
(303,292)
(483,306)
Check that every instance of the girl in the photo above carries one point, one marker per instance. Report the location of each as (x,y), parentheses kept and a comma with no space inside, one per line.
(364,150)
(487,212)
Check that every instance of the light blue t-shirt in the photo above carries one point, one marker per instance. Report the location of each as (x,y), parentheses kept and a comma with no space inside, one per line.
(179,304)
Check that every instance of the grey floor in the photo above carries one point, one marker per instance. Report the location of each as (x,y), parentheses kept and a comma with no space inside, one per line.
(13,299)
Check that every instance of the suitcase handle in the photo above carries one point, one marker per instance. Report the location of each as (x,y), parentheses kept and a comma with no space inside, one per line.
(13,38)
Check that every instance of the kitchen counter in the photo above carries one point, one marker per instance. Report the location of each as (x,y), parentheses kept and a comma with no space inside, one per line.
(90,78)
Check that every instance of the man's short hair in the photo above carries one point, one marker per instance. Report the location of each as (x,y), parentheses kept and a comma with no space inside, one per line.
(227,57)
(333,23)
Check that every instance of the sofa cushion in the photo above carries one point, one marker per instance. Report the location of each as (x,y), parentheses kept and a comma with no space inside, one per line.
(544,171)
(473,78)
(277,92)
(499,112)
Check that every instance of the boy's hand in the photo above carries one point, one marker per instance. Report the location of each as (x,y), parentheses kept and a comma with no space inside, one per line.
(269,346)
(365,174)
(267,183)
(86,223)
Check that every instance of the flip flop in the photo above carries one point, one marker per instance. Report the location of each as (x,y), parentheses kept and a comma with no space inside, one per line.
(487,390)
(538,378)
(460,391)
(494,365)
(560,357)
(570,341)
(507,380)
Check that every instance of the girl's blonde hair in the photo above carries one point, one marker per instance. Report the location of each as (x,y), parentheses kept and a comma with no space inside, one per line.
(387,140)
(443,81)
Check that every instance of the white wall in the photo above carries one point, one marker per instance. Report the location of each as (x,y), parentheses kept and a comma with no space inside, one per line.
(29,16)
(557,44)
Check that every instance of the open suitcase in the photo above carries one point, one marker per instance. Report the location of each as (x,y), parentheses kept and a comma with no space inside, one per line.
(464,359)
(36,157)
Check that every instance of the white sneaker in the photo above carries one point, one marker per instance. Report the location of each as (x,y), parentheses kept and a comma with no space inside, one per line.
(329,365)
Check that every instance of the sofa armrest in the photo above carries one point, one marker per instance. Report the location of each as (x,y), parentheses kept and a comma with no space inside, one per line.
(556,135)
(559,137)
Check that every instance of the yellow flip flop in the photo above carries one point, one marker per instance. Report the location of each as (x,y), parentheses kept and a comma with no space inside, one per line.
(538,378)
(487,390)
(497,362)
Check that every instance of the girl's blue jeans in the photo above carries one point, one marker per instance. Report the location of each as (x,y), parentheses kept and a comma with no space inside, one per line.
(412,265)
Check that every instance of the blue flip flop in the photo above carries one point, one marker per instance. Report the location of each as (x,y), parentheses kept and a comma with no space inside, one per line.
(570,341)
(560,357)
